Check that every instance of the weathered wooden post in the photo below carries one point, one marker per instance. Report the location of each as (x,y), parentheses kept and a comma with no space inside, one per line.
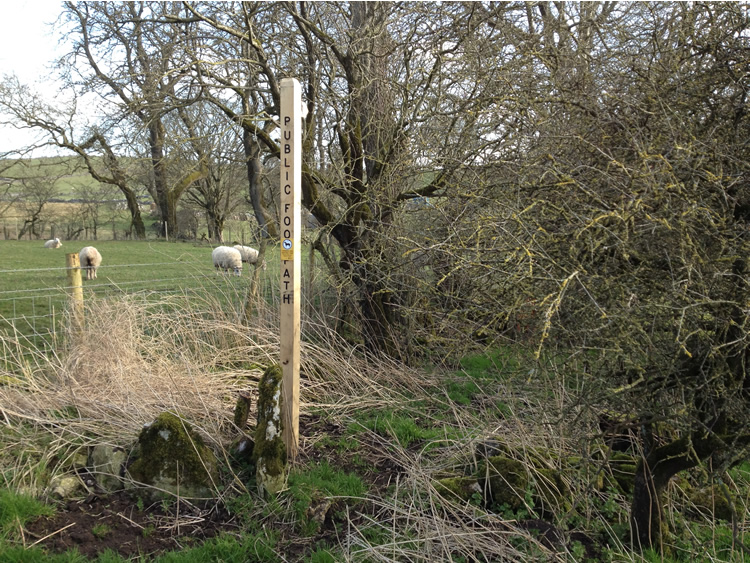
(75,283)
(291,189)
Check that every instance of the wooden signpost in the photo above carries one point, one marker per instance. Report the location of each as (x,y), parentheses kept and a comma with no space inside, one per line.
(291,189)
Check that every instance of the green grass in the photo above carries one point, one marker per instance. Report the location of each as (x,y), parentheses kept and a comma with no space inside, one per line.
(462,392)
(316,483)
(321,555)
(20,554)
(479,374)
(34,283)
(401,427)
(490,364)
(257,547)
(16,510)
(225,548)
(101,530)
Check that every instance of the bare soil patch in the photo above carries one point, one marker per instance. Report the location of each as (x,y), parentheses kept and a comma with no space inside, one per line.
(115,522)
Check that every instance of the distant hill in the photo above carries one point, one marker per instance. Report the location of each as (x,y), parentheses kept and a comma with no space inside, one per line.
(71,176)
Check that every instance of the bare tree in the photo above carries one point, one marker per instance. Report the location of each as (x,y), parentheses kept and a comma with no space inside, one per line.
(37,193)
(244,87)
(132,54)
(23,108)
(373,76)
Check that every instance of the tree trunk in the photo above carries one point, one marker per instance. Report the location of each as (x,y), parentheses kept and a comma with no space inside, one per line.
(156,144)
(378,315)
(652,476)
(379,319)
(215,225)
(252,156)
(136,221)
(647,510)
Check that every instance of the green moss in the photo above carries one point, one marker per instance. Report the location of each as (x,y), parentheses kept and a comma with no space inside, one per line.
(172,456)
(505,481)
(622,470)
(465,488)
(712,502)
(10,380)
(269,452)
(551,490)
(362,212)
(242,410)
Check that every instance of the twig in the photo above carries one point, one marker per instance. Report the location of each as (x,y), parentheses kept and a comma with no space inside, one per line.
(52,534)
(133,522)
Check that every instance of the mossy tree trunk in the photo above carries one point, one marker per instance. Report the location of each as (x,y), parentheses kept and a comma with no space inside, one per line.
(651,478)
(719,432)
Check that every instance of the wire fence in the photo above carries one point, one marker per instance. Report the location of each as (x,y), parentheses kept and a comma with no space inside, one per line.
(38,316)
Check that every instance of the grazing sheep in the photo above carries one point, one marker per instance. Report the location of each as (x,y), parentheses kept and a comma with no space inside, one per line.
(54,243)
(90,261)
(227,258)
(249,254)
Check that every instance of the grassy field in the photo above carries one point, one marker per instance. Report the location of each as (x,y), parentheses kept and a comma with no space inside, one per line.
(34,283)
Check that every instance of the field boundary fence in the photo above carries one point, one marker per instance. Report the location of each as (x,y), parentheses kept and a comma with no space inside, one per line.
(38,316)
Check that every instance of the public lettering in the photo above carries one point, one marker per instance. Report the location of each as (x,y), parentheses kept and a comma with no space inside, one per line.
(288,189)
(287,120)
(286,164)
(287,148)
(287,135)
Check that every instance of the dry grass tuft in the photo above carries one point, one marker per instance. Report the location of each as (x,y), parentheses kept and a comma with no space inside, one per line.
(137,357)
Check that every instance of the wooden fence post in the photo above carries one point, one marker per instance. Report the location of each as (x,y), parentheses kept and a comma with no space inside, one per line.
(75,283)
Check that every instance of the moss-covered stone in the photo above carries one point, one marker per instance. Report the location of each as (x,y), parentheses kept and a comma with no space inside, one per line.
(64,487)
(106,464)
(505,481)
(241,454)
(491,447)
(551,492)
(712,502)
(465,488)
(171,457)
(622,472)
(269,451)
(539,457)
(242,410)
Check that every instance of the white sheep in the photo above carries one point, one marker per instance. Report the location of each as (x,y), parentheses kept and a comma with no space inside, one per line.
(54,243)
(249,254)
(227,258)
(90,261)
